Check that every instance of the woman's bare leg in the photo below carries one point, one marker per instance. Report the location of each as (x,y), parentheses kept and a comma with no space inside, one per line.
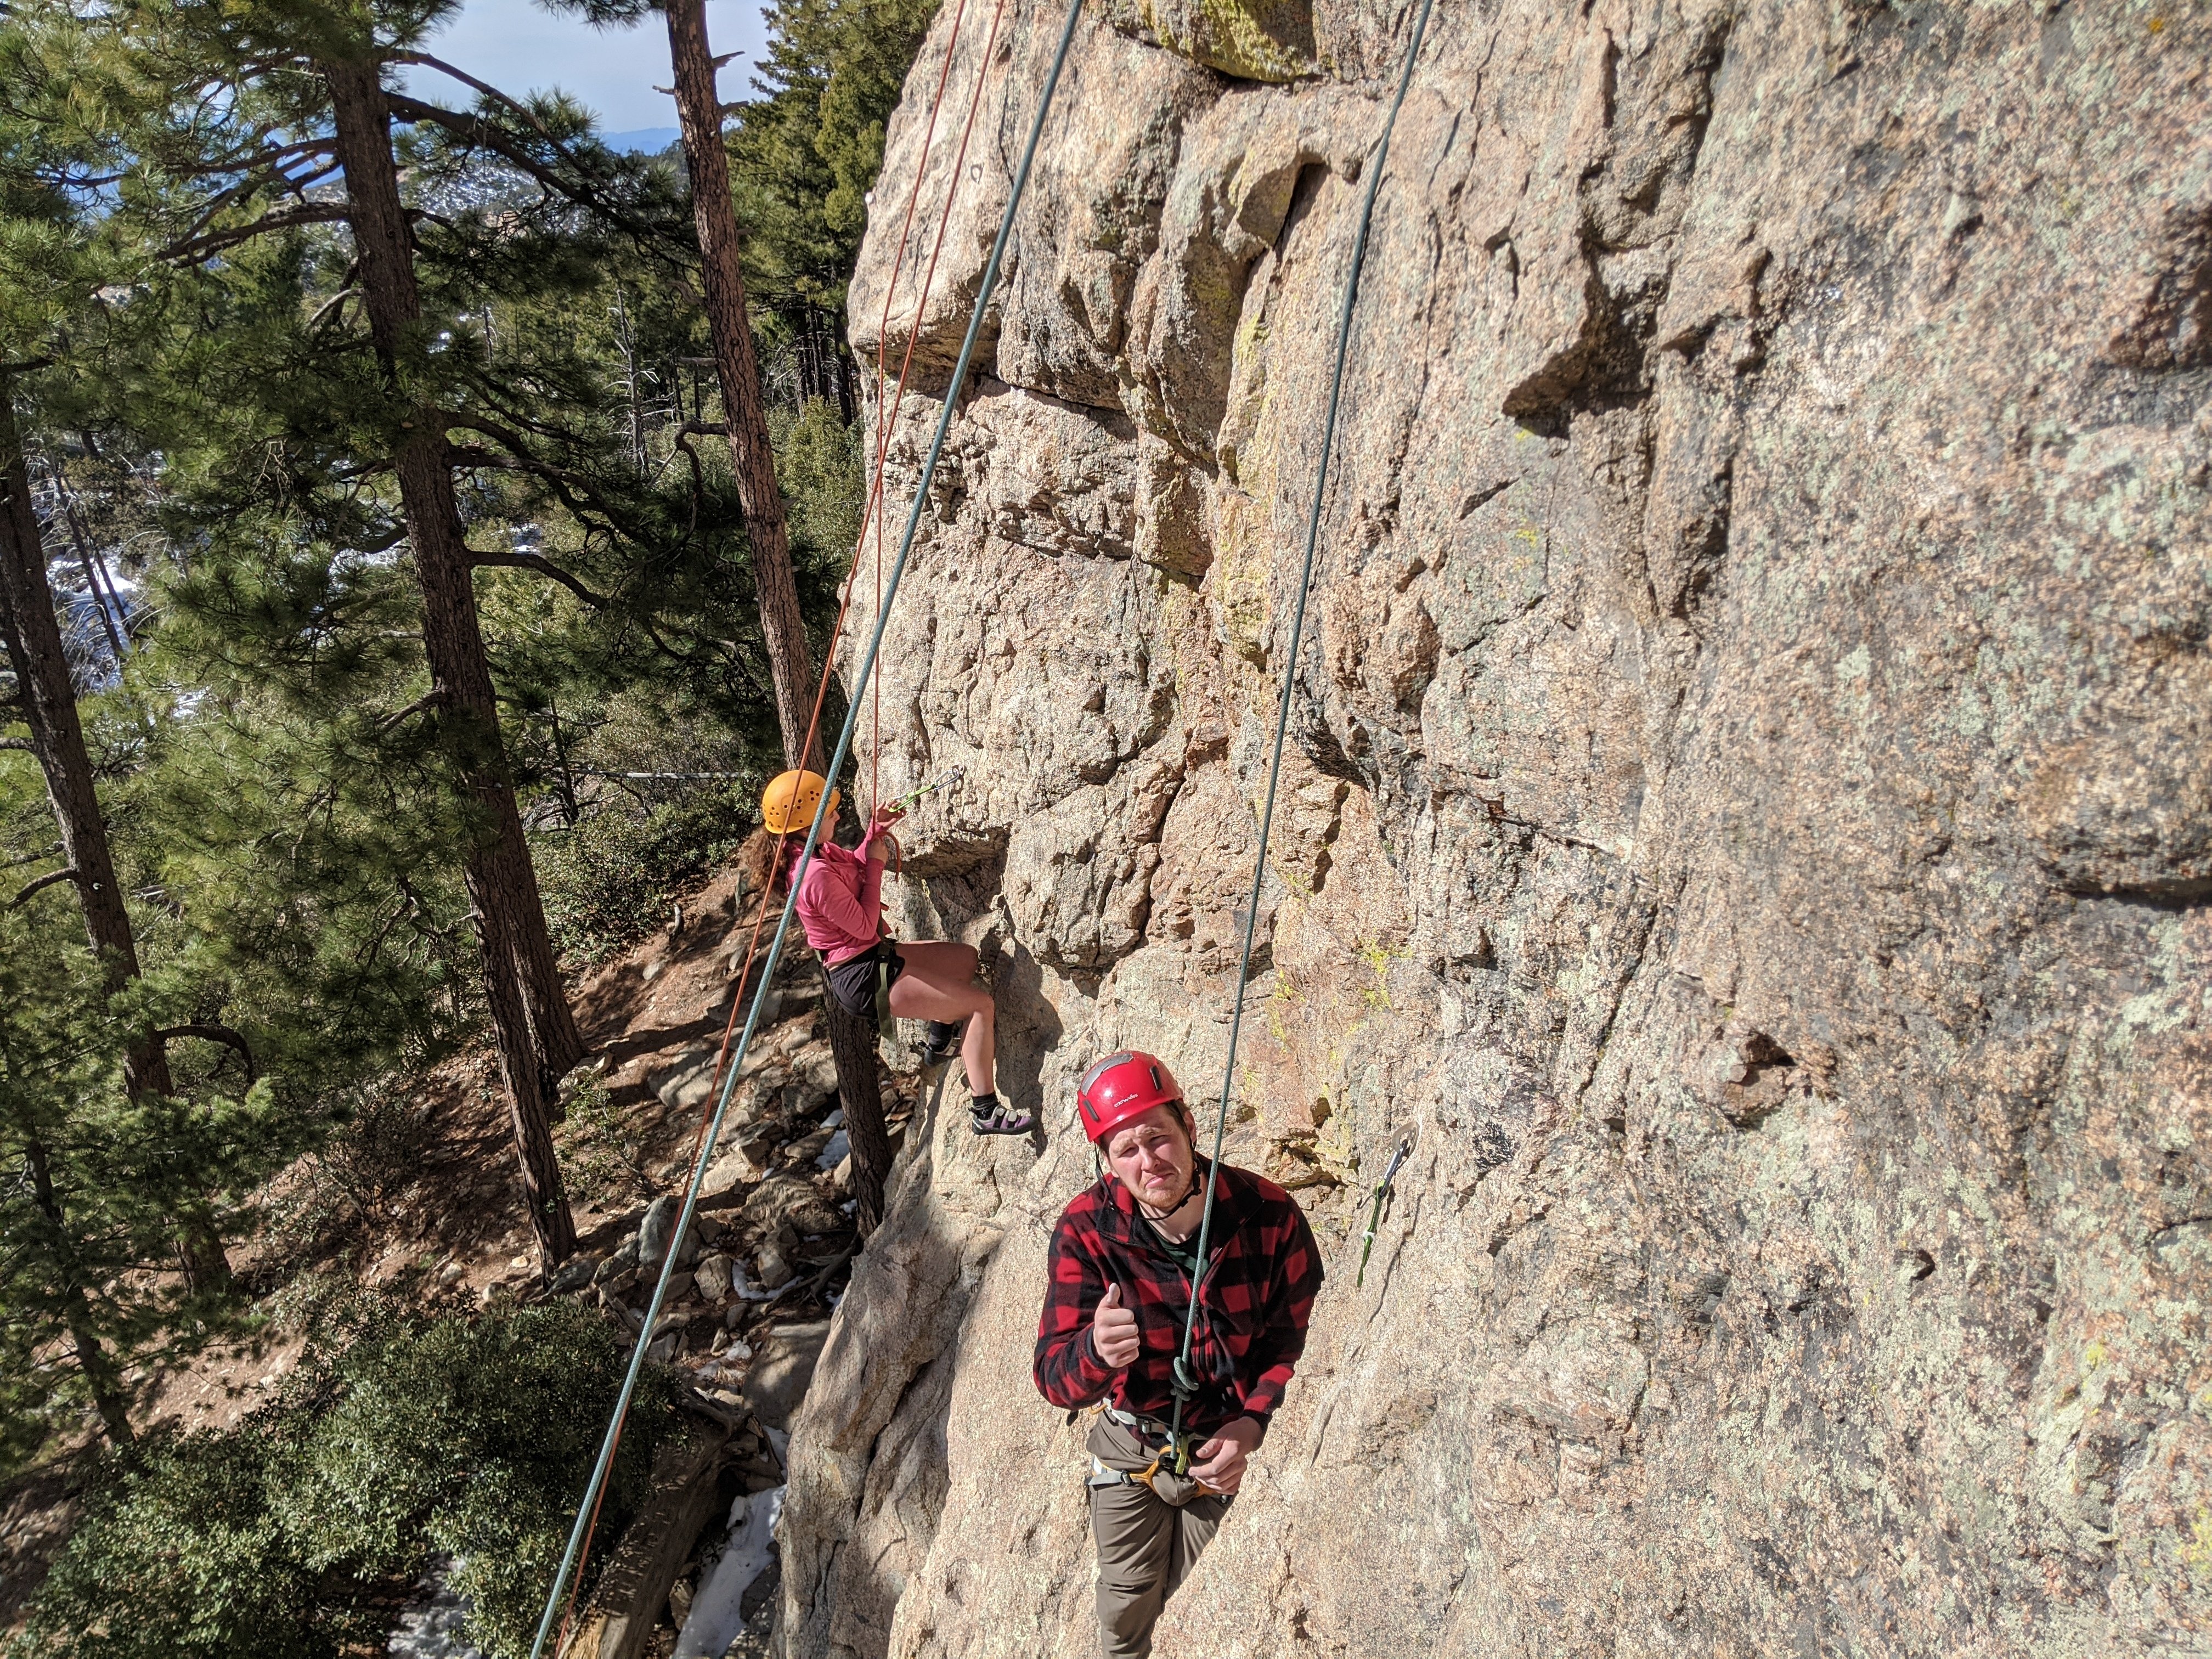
(939,984)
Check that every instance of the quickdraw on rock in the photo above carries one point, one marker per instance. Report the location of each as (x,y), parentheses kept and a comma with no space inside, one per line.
(944,780)
(1375,1210)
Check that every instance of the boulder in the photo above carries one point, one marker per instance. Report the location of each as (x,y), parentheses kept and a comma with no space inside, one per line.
(655,1231)
(713,1277)
(782,1366)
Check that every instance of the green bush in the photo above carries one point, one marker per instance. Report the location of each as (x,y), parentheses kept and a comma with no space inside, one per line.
(471,1437)
(609,880)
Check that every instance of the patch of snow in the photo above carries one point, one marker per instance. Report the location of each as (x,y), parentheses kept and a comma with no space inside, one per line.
(717,1618)
(430,1628)
(839,1149)
(835,1119)
(744,1289)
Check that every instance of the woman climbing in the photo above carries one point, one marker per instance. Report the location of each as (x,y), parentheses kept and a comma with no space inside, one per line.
(841,908)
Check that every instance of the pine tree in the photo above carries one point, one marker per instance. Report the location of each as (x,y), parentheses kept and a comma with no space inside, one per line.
(49,265)
(98,1175)
(365,399)
(806,155)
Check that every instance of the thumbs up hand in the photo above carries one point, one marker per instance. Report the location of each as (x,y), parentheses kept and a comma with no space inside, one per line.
(1113,1330)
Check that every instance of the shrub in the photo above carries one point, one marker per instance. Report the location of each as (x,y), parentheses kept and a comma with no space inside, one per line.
(468,1438)
(609,880)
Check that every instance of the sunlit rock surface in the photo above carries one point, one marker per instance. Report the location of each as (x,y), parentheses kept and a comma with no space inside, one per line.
(1749,815)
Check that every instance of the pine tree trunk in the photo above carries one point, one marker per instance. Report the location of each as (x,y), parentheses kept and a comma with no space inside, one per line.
(535,1032)
(699,112)
(49,708)
(99,1366)
(853,1046)
(33,641)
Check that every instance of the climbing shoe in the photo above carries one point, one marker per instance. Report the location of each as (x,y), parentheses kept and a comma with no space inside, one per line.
(992,1116)
(941,1043)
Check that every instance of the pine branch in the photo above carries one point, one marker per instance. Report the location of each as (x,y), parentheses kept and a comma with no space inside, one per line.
(198,251)
(336,304)
(564,484)
(251,183)
(545,566)
(467,80)
(39,886)
(211,1032)
(428,700)
(475,130)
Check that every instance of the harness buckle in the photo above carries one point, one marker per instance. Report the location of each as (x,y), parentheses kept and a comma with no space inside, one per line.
(1174,1453)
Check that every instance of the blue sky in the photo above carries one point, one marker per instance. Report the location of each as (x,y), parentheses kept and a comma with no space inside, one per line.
(518,46)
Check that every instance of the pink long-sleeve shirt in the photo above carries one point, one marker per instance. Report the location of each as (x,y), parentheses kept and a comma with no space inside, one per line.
(841,902)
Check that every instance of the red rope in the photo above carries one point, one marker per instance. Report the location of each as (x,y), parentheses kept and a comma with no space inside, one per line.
(873,513)
(844,608)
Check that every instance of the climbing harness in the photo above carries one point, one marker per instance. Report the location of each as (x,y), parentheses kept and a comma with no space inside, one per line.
(1186,1384)
(1173,1457)
(1375,1210)
(588,1509)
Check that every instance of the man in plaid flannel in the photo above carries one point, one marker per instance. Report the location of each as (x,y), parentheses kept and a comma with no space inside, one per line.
(1123,1259)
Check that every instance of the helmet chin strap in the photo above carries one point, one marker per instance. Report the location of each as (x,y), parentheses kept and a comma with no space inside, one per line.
(1189,1194)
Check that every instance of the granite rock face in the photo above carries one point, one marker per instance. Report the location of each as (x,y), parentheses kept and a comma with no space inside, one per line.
(1748,819)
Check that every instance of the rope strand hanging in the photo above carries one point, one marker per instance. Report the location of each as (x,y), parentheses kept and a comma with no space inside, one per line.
(845,603)
(875,497)
(685,1216)
(1185,1385)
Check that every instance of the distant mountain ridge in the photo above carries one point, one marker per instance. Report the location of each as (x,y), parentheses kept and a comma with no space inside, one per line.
(646,141)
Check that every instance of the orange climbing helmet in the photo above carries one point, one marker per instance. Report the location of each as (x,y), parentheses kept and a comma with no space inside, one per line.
(789,801)
(1120,1087)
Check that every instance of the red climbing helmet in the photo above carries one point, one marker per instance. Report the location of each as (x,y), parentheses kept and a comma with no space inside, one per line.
(1120,1087)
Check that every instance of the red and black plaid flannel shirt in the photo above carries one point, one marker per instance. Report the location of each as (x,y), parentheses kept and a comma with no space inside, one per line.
(1260,1279)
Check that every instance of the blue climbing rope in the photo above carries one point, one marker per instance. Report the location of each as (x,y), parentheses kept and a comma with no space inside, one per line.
(1185,1385)
(599,1471)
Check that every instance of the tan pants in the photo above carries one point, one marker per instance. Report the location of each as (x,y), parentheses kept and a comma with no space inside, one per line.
(1146,1547)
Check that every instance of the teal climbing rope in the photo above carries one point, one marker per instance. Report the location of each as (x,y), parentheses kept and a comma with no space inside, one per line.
(1185,1385)
(983,294)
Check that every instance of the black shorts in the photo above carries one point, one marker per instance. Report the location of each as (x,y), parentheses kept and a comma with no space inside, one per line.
(852,983)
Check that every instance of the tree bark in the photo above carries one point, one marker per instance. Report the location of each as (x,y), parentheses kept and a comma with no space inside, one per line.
(48,701)
(737,365)
(535,1032)
(853,1046)
(699,113)
(99,1366)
